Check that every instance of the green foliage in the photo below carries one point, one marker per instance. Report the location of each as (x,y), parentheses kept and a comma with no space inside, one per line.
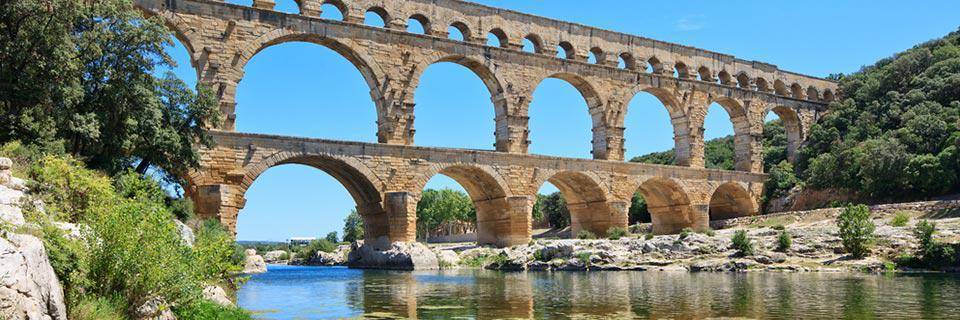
(856,230)
(710,233)
(584,257)
(129,249)
(208,310)
(784,241)
(320,245)
(437,207)
(648,236)
(98,308)
(615,233)
(779,227)
(686,232)
(900,219)
(932,253)
(741,243)
(353,227)
(782,178)
(332,237)
(555,209)
(585,234)
(81,74)
(892,134)
(638,209)
(285,255)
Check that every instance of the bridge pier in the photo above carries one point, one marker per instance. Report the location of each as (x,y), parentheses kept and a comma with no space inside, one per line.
(505,221)
(598,217)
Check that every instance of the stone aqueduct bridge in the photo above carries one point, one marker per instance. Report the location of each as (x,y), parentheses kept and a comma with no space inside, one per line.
(386,178)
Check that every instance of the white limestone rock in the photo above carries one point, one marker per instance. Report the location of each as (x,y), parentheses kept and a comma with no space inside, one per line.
(217,295)
(254,263)
(10,201)
(29,288)
(154,309)
(274,256)
(400,256)
(186,233)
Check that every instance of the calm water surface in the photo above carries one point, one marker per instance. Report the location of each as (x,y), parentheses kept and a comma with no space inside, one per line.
(287,292)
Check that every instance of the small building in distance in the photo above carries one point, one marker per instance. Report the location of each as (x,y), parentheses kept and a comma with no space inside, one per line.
(300,241)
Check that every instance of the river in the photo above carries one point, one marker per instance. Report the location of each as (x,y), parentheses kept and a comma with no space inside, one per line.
(289,292)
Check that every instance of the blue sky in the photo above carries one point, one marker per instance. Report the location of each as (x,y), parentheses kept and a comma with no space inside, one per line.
(302,89)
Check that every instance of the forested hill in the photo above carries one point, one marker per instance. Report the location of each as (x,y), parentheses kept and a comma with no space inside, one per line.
(892,134)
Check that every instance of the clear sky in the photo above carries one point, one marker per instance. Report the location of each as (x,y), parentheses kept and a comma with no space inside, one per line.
(302,89)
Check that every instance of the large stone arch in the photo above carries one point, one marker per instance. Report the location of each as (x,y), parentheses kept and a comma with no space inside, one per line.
(731,200)
(366,189)
(743,140)
(792,126)
(595,108)
(185,34)
(368,68)
(678,120)
(670,206)
(500,220)
(588,202)
(490,80)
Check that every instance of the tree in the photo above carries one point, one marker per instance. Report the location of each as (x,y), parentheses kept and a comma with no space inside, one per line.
(332,237)
(437,207)
(555,208)
(638,209)
(82,74)
(856,230)
(353,227)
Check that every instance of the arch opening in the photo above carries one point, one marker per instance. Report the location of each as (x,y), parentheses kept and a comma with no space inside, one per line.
(743,81)
(596,56)
(532,44)
(586,204)
(563,99)
(705,74)
(333,10)
(418,24)
(439,113)
(652,126)
(668,207)
(445,212)
(565,51)
(762,85)
(725,78)
(458,31)
(258,92)
(729,201)
(681,71)
(781,128)
(796,91)
(780,88)
(726,136)
(497,38)
(654,65)
(496,224)
(626,61)
(376,17)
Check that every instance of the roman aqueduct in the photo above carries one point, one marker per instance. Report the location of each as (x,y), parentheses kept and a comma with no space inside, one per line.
(386,178)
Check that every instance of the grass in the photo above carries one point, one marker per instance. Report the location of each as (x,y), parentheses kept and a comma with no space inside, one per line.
(586,235)
(90,307)
(210,310)
(900,219)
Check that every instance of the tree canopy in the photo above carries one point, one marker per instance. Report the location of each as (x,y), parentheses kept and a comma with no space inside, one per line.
(82,76)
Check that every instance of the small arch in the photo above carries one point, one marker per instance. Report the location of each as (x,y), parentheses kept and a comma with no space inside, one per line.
(333,10)
(597,56)
(669,206)
(762,85)
(730,200)
(533,43)
(780,88)
(725,78)
(681,70)
(586,201)
(498,38)
(828,95)
(792,126)
(654,65)
(459,31)
(705,75)
(813,93)
(565,50)
(742,139)
(419,23)
(743,80)
(796,91)
(488,191)
(627,61)
(377,17)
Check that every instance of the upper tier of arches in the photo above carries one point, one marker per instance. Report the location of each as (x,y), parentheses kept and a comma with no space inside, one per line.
(575,42)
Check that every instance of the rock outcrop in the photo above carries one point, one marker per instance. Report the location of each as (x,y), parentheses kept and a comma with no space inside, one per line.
(217,295)
(254,263)
(186,233)
(154,309)
(276,256)
(400,256)
(28,286)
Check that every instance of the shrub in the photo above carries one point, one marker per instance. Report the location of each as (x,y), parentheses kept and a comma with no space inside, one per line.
(648,236)
(742,243)
(584,234)
(92,307)
(710,233)
(204,309)
(685,233)
(311,249)
(779,227)
(615,233)
(285,256)
(932,253)
(856,230)
(784,241)
(215,251)
(900,219)
(584,257)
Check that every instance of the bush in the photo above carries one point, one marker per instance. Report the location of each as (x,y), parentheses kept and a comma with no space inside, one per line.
(742,243)
(900,219)
(320,245)
(215,251)
(648,236)
(932,253)
(784,241)
(856,230)
(779,227)
(615,233)
(585,234)
(685,233)
(204,309)
(710,233)
(98,308)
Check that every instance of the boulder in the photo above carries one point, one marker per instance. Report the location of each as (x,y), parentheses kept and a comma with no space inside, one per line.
(254,263)
(448,259)
(275,256)
(217,295)
(400,256)
(186,233)
(28,286)
(10,200)
(154,309)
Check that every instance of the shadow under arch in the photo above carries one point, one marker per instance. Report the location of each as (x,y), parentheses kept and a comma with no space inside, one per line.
(362,185)
(670,207)
(370,71)
(489,193)
(793,127)
(742,140)
(587,203)
(730,200)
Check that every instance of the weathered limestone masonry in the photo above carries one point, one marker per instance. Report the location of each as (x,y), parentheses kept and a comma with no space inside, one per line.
(222,38)
(386,181)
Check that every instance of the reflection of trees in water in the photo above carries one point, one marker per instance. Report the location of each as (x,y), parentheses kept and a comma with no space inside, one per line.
(858,299)
(389,294)
(784,296)
(929,297)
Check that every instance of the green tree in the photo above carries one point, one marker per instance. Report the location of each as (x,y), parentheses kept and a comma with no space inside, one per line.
(555,208)
(638,209)
(781,180)
(856,230)
(332,237)
(82,74)
(353,227)
(437,207)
